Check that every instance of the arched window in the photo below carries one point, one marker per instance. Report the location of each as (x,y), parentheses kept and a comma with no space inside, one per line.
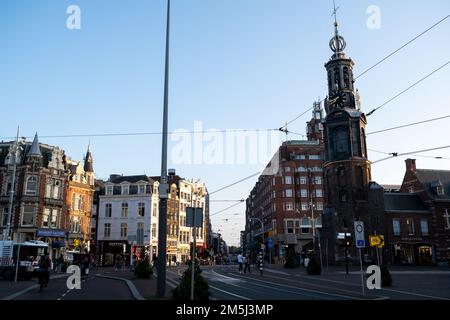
(346,78)
(32,184)
(337,79)
(363,143)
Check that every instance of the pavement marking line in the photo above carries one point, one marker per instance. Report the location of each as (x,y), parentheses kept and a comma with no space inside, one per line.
(321,286)
(398,291)
(416,294)
(309,290)
(229,293)
(135,293)
(19,293)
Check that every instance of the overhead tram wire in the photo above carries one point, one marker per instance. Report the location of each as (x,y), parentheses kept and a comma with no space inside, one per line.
(223,210)
(114,134)
(409,88)
(379,62)
(408,125)
(398,154)
(234,183)
(415,155)
(403,46)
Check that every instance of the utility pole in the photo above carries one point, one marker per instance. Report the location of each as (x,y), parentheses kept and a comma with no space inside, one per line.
(14,150)
(164,187)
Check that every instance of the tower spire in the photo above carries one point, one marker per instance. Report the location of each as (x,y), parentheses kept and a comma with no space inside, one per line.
(88,161)
(337,43)
(35,150)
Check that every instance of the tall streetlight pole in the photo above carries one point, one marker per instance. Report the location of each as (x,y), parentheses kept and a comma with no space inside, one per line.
(164,187)
(14,150)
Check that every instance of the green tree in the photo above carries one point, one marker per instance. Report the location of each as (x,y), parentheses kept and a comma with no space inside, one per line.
(183,290)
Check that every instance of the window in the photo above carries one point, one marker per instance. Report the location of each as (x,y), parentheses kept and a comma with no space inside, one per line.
(124,210)
(45,218)
(411,189)
(288,180)
(317,180)
(305,223)
(140,233)
(123,230)
(125,189)
(274,181)
(109,190)
(288,206)
(141,209)
(410,226)
(447,220)
(274,194)
(314,157)
(154,234)
(108,210)
(440,190)
(303,180)
(28,215)
(155,209)
(81,202)
(305,206)
(424,227)
(301,169)
(274,226)
(290,226)
(300,157)
(56,187)
(5,217)
(396,227)
(142,188)
(73,201)
(287,169)
(48,188)
(107,230)
(304,193)
(319,206)
(75,225)
(319,193)
(288,193)
(32,184)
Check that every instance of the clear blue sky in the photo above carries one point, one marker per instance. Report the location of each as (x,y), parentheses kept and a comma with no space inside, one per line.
(234,64)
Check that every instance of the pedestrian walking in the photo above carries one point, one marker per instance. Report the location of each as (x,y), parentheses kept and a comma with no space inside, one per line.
(247,263)
(240,260)
(43,271)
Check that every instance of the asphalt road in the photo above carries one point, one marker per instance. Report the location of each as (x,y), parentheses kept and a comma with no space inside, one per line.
(226,283)
(92,288)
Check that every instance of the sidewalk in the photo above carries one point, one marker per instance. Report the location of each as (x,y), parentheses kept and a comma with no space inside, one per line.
(145,287)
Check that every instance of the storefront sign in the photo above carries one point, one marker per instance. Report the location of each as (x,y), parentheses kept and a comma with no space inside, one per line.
(412,239)
(50,233)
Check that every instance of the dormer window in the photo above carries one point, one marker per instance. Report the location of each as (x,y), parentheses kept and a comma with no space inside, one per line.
(440,190)
(141,189)
(411,189)
(125,189)
(109,190)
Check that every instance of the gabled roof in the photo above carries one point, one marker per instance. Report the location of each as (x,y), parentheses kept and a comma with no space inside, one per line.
(431,179)
(407,202)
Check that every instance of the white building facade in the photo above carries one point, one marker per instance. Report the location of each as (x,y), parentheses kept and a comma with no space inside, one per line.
(127,218)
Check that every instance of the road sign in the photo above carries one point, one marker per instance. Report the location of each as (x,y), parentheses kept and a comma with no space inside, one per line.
(377,241)
(190,217)
(269,243)
(359,234)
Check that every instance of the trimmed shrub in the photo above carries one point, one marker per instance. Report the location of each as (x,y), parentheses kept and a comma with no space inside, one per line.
(290,260)
(183,290)
(143,269)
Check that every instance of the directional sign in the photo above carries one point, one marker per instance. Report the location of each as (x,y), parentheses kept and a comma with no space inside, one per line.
(377,241)
(359,234)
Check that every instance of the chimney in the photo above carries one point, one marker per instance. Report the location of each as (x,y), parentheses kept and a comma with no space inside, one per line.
(411,165)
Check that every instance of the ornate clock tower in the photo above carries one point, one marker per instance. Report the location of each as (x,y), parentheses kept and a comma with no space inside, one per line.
(347,169)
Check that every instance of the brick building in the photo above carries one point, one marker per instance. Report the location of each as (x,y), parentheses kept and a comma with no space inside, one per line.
(288,195)
(433,188)
(39,210)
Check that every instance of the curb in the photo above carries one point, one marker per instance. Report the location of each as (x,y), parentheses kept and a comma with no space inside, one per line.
(131,286)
